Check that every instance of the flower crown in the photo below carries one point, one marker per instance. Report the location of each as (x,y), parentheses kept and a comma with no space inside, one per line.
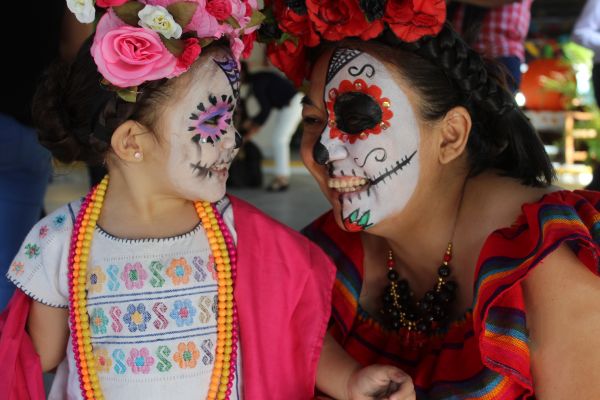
(292,26)
(146,40)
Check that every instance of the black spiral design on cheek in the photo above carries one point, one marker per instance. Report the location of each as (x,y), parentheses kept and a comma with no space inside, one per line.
(354,71)
(381,158)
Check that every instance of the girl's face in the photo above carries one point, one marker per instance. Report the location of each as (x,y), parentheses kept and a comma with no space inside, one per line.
(360,125)
(202,141)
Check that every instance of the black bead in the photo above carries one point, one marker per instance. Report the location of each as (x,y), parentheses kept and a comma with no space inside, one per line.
(403,285)
(411,316)
(393,275)
(422,326)
(446,296)
(424,305)
(395,313)
(444,271)
(396,325)
(405,296)
(451,286)
(387,299)
(430,295)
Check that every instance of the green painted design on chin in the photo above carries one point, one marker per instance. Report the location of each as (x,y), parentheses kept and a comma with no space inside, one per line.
(357,222)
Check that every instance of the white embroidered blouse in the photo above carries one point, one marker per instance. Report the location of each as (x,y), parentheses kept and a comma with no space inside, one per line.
(152,305)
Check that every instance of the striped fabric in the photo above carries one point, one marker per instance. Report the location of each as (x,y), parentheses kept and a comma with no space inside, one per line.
(485,353)
(503,30)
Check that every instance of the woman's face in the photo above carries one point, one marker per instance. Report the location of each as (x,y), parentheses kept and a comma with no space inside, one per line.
(202,141)
(361,138)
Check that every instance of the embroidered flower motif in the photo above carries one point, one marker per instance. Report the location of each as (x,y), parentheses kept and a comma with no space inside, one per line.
(134,275)
(159,20)
(140,361)
(103,361)
(95,280)
(43,232)
(179,271)
(83,9)
(32,250)
(183,313)
(136,317)
(59,221)
(187,355)
(211,267)
(17,268)
(98,321)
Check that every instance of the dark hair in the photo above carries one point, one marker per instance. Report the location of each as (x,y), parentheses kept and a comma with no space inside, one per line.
(447,73)
(76,114)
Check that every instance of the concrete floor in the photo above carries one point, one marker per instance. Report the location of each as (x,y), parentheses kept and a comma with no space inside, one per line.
(296,207)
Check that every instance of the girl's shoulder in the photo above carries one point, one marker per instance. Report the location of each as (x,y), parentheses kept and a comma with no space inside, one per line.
(40,266)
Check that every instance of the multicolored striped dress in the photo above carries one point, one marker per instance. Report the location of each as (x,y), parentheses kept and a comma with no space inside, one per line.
(484,354)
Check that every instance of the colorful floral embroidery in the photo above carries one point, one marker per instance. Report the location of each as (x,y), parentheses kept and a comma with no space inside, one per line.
(96,278)
(210,266)
(136,317)
(187,355)
(32,250)
(98,321)
(103,361)
(179,271)
(134,275)
(140,361)
(183,313)
(59,221)
(43,231)
(17,268)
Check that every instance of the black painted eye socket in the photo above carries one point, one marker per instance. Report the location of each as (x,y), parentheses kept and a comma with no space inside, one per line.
(355,112)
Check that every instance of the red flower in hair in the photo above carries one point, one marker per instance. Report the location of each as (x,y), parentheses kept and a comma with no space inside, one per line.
(298,25)
(190,53)
(338,19)
(220,9)
(248,40)
(410,20)
(290,58)
(110,3)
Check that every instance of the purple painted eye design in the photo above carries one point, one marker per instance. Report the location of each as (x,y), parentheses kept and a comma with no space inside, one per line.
(212,121)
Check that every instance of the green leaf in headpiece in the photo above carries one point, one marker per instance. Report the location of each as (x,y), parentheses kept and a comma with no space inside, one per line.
(175,46)
(182,12)
(255,19)
(128,12)
(128,94)
(233,22)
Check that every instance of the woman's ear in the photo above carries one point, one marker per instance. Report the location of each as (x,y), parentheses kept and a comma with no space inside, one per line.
(455,131)
(125,142)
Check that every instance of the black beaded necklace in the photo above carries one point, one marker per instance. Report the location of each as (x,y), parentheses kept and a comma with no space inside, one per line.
(400,310)
(432,312)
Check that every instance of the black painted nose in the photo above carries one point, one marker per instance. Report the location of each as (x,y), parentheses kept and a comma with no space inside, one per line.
(320,153)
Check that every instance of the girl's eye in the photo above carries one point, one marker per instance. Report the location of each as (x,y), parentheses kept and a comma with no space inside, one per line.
(311,121)
(213,120)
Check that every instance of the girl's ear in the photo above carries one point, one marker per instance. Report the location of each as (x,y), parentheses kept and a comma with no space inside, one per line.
(125,144)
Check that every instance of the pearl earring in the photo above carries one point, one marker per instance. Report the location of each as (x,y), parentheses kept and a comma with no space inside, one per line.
(137,155)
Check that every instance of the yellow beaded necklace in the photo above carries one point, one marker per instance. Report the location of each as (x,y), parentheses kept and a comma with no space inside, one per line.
(224,253)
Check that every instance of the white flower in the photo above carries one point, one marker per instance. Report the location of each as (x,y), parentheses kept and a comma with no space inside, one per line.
(158,19)
(83,9)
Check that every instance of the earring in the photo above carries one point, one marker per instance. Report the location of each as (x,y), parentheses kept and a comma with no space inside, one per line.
(137,155)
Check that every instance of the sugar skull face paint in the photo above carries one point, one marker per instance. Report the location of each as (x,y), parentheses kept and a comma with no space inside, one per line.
(202,139)
(371,139)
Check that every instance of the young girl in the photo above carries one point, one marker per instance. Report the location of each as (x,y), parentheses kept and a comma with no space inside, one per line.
(155,285)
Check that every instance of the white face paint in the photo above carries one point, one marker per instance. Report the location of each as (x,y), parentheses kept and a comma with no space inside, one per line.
(202,139)
(371,139)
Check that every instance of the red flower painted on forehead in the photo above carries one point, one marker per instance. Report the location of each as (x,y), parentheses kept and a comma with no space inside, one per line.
(358,86)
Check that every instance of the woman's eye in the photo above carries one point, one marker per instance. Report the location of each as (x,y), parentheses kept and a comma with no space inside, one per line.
(311,121)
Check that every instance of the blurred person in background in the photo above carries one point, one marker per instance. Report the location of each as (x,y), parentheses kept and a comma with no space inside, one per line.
(272,91)
(25,166)
(495,28)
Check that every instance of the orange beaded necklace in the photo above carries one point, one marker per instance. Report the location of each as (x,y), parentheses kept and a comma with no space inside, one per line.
(223,251)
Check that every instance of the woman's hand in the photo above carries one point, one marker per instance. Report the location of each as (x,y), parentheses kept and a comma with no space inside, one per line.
(380,382)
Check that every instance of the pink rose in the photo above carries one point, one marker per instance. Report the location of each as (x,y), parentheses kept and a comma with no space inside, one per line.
(110,3)
(128,56)
(220,9)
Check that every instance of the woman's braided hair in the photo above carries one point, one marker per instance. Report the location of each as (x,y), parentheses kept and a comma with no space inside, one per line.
(448,73)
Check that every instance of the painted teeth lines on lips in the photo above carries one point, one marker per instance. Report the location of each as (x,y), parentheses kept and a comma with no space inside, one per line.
(347,184)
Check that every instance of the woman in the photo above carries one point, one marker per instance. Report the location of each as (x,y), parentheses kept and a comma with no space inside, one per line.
(457,260)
